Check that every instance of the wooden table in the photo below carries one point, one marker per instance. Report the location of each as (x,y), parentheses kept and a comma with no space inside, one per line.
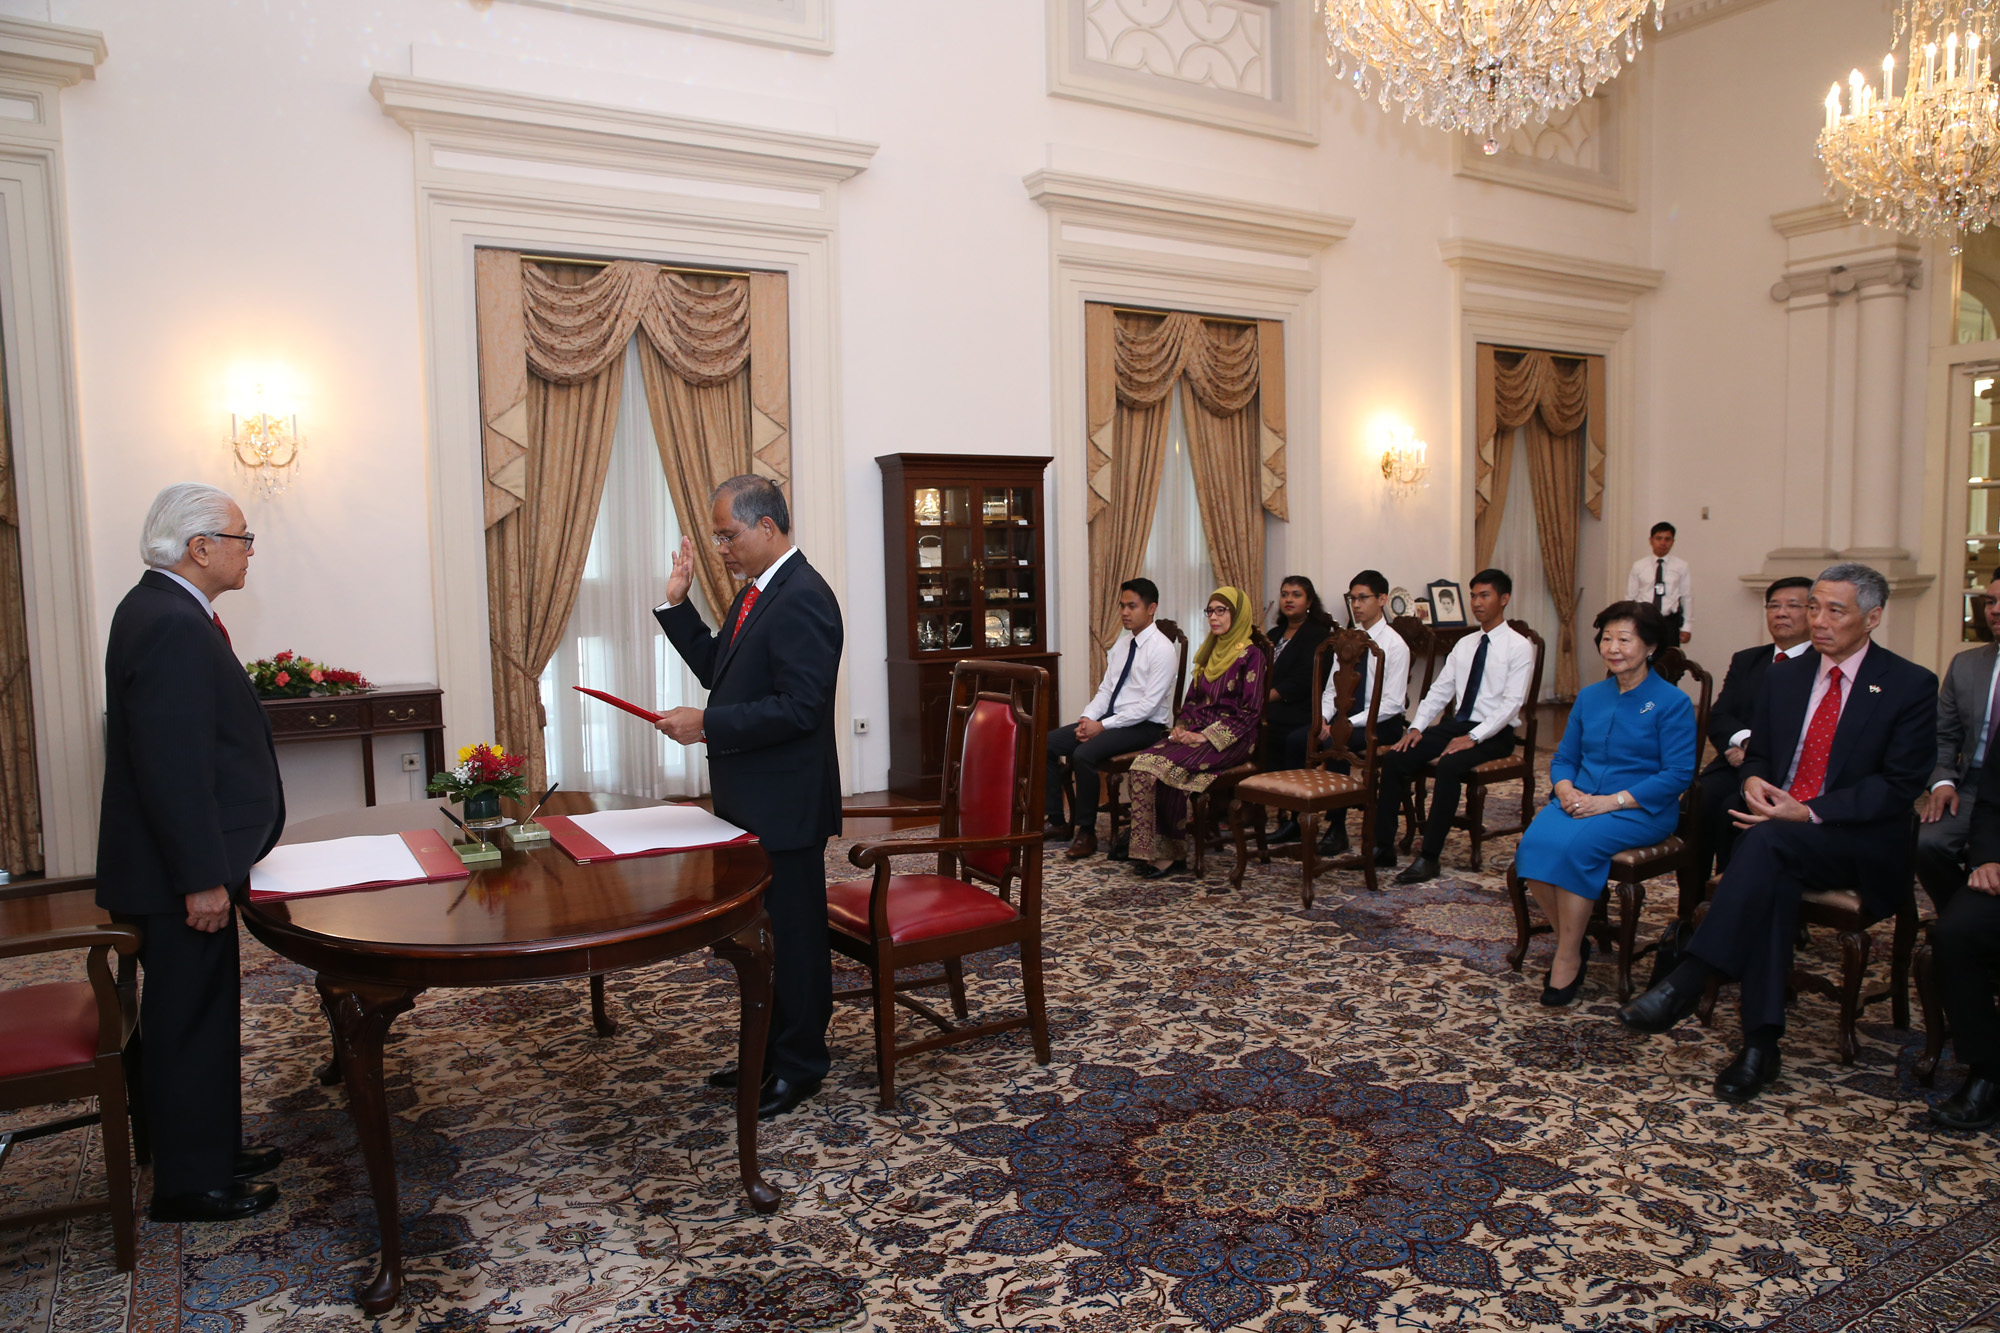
(535,916)
(385,711)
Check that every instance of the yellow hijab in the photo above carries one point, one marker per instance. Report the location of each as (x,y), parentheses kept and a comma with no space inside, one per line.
(1218,654)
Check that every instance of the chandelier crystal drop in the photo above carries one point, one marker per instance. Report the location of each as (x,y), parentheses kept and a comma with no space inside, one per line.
(1924,160)
(1483,66)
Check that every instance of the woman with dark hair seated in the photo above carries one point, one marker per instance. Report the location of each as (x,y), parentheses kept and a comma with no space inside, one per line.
(1215,729)
(1301,627)
(1626,756)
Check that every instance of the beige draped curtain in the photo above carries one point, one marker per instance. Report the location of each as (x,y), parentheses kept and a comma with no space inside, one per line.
(1559,400)
(1231,380)
(20,793)
(714,353)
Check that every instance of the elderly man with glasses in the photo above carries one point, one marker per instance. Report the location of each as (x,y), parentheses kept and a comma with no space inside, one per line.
(192,799)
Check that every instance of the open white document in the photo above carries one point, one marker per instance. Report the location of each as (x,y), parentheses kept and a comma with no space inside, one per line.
(339,863)
(656,828)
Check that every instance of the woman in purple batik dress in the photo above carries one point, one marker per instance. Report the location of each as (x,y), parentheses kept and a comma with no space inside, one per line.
(1216,729)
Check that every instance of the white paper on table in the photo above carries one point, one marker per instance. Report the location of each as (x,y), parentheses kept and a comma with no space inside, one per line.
(655,828)
(338,863)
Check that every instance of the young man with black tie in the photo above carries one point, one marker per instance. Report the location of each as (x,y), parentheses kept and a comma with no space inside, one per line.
(1663,581)
(772,755)
(1840,744)
(1729,719)
(192,799)
(1484,685)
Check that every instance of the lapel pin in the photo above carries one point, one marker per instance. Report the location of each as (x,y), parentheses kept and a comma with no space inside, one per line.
(1874,689)
(1647,709)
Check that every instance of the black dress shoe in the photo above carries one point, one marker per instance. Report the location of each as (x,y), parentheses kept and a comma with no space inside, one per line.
(1386,858)
(1975,1105)
(1554,997)
(1284,833)
(226,1205)
(1661,1007)
(256,1160)
(1147,870)
(1417,871)
(1334,841)
(726,1078)
(1121,850)
(782,1095)
(1752,1071)
(1054,832)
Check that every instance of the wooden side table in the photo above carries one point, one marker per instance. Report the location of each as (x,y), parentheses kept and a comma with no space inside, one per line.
(389,710)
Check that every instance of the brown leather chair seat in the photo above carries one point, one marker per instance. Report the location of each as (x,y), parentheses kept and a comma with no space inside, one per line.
(1300,784)
(1644,858)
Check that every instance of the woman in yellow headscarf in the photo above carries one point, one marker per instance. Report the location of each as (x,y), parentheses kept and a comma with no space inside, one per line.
(1215,729)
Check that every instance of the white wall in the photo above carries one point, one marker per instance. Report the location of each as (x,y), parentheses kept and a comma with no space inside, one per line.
(236,197)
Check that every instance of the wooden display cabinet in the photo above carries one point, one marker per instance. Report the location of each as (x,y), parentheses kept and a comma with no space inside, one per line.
(965,558)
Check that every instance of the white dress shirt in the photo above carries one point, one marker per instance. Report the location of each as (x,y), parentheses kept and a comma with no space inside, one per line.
(1848,671)
(207,608)
(1503,686)
(1149,690)
(1737,738)
(1639,586)
(1395,679)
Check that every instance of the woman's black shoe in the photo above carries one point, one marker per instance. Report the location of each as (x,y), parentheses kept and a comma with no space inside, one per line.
(1147,870)
(1553,998)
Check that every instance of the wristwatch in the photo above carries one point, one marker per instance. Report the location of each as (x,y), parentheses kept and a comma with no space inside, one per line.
(1623,800)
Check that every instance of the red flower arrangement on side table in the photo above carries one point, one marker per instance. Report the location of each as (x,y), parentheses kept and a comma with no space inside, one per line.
(286,675)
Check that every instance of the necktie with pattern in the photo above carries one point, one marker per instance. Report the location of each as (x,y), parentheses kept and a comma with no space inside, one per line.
(220,627)
(744,613)
(1806,783)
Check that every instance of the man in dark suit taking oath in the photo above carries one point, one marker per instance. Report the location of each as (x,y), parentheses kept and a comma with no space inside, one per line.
(772,757)
(192,799)
(1840,744)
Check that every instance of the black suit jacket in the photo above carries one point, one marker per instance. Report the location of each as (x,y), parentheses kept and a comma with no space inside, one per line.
(192,796)
(773,759)
(1292,676)
(1881,755)
(1737,700)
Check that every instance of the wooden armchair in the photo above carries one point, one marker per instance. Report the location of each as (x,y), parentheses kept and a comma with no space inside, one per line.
(1630,869)
(1113,770)
(65,1041)
(989,830)
(1314,790)
(1518,766)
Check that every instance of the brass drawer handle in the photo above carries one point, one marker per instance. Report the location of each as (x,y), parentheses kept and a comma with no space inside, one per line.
(329,720)
(408,714)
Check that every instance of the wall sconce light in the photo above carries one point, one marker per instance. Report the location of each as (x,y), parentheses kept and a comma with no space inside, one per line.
(266,446)
(1403,464)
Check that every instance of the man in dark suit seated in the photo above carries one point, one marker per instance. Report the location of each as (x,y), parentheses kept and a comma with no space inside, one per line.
(1965,721)
(1729,719)
(772,756)
(1965,951)
(192,799)
(1840,743)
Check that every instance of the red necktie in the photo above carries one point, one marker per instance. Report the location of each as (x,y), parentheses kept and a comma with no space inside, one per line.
(1819,741)
(221,627)
(1779,657)
(744,614)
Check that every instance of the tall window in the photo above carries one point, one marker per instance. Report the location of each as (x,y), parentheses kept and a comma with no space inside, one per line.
(612,642)
(1177,548)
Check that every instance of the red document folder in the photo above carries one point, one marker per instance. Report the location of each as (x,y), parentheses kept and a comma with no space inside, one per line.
(434,856)
(615,702)
(586,849)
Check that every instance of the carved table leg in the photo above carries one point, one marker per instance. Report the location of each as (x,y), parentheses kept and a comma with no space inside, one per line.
(749,950)
(600,1012)
(361,1014)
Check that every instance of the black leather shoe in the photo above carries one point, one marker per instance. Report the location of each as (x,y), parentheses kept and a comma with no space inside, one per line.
(256,1160)
(239,1200)
(1284,833)
(1121,850)
(782,1095)
(1334,841)
(1147,870)
(1386,858)
(1054,832)
(1660,1008)
(1753,1070)
(1417,871)
(726,1078)
(1554,997)
(1975,1105)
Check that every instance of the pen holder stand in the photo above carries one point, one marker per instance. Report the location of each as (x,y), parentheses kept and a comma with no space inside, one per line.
(477,852)
(527,833)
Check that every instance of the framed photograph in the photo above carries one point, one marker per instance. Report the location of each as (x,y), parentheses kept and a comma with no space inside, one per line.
(1399,601)
(1447,603)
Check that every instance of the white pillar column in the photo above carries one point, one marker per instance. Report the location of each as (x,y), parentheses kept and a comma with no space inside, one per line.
(1878,456)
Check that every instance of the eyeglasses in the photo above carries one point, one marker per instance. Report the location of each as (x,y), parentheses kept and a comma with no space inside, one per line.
(249,539)
(724,540)
(1218,610)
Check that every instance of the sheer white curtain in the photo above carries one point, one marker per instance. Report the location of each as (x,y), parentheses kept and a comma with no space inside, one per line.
(1518,550)
(612,642)
(1177,549)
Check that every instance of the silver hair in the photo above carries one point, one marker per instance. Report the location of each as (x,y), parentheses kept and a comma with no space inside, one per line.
(752,498)
(1870,588)
(182,511)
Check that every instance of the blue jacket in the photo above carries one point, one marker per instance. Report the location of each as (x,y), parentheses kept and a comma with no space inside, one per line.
(1642,742)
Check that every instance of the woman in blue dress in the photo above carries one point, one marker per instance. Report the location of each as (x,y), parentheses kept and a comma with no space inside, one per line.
(1626,757)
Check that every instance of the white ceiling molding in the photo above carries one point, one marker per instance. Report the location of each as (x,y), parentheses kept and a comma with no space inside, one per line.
(1258,232)
(1684,14)
(48,51)
(1484,264)
(800,25)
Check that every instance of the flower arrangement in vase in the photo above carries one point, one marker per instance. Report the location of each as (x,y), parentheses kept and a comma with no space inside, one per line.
(484,774)
(286,675)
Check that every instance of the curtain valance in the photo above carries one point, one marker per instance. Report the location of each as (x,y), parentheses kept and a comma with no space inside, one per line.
(575,332)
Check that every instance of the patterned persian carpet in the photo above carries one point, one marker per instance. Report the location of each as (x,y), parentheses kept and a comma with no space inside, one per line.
(1257,1117)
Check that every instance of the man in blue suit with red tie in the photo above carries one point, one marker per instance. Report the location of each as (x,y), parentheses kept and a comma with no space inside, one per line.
(1840,745)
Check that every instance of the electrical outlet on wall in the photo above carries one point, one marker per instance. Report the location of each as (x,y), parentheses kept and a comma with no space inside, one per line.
(861,726)
(413,763)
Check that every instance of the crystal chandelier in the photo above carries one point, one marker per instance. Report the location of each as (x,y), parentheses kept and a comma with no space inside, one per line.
(1926,162)
(1483,66)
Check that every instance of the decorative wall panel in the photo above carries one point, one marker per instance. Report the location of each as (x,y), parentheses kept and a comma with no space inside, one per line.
(1586,152)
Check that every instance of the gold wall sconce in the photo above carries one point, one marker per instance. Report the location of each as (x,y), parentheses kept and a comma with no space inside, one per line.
(1404,465)
(266,446)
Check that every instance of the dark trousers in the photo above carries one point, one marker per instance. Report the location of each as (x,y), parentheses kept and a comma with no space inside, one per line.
(1675,622)
(1965,953)
(1084,757)
(1753,921)
(1401,767)
(1717,790)
(1387,732)
(190,1051)
(802,966)
(1941,846)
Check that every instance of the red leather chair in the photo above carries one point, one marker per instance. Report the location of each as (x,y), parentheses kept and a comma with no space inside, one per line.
(989,833)
(64,1041)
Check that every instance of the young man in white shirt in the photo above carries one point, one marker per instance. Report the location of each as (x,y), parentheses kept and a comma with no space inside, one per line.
(1487,674)
(1368,599)
(1662,581)
(1130,712)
